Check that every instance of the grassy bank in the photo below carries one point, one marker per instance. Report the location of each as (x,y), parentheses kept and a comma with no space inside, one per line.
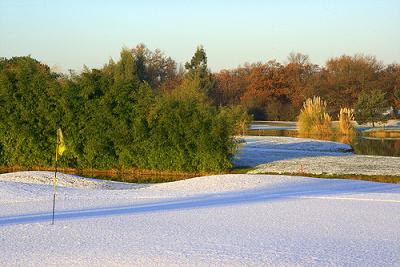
(371,178)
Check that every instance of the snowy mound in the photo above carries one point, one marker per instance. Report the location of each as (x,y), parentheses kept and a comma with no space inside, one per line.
(64,180)
(256,150)
(223,220)
(220,184)
(337,165)
(270,154)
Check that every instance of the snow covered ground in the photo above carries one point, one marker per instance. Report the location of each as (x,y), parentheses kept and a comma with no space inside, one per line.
(217,220)
(334,164)
(392,125)
(227,220)
(255,150)
(273,125)
(294,155)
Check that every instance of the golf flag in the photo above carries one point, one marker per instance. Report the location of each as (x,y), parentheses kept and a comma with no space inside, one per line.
(60,148)
(60,142)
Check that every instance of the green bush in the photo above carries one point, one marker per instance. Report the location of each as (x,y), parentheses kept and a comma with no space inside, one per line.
(110,119)
(370,107)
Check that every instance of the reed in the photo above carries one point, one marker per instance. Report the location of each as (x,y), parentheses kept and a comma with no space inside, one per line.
(313,118)
(346,116)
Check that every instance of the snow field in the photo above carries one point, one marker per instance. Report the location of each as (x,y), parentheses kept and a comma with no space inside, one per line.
(296,155)
(223,220)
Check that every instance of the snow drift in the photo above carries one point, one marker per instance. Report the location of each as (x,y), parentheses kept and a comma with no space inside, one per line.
(215,220)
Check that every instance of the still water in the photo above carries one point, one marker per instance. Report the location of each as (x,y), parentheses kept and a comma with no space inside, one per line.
(361,145)
(376,146)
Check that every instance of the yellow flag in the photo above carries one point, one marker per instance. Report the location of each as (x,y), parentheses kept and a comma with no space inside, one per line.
(60,142)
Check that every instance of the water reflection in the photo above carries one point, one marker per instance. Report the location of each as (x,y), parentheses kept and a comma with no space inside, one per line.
(381,147)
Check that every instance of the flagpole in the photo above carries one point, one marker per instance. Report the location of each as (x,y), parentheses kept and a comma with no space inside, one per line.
(55,181)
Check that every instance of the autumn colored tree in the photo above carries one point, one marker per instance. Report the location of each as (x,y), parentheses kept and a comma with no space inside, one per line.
(298,58)
(276,92)
(345,77)
(230,86)
(300,75)
(266,94)
(389,82)
(258,88)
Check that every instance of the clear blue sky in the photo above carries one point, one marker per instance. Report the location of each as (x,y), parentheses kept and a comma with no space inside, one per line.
(72,33)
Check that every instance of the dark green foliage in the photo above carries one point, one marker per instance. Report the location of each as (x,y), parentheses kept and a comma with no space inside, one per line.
(111,118)
(188,135)
(197,69)
(31,108)
(198,61)
(370,107)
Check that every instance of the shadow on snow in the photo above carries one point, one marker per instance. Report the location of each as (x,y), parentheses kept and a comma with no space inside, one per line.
(313,187)
(254,154)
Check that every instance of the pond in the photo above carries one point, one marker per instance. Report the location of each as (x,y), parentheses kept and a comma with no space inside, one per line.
(361,145)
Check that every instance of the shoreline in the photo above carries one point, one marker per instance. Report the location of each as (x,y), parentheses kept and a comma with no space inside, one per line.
(265,155)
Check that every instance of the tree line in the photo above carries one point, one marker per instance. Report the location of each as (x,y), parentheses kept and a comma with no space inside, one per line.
(137,112)
(144,111)
(276,91)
